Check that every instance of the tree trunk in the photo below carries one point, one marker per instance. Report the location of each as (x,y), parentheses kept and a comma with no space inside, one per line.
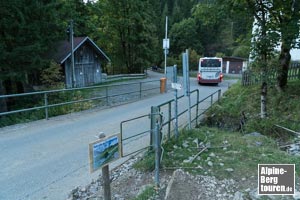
(263,100)
(284,59)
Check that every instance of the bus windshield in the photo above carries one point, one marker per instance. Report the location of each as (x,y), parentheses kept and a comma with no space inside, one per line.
(210,63)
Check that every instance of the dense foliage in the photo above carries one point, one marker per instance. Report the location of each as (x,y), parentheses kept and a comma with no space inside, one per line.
(130,32)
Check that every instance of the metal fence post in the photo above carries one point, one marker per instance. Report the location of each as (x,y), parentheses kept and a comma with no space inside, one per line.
(106,93)
(140,90)
(46,105)
(169,120)
(157,155)
(211,99)
(219,95)
(153,119)
(197,108)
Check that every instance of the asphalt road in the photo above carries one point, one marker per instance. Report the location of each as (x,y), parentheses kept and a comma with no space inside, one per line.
(46,159)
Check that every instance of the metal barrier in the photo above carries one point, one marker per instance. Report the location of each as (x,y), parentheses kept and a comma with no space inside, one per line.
(196,105)
(146,126)
(106,93)
(133,136)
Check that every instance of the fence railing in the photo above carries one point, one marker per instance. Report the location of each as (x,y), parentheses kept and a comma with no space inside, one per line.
(250,78)
(94,96)
(144,124)
(198,108)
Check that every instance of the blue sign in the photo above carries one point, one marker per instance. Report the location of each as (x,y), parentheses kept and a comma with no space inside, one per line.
(104,151)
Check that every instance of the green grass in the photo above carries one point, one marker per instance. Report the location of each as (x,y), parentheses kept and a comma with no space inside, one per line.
(148,193)
(282,109)
(243,152)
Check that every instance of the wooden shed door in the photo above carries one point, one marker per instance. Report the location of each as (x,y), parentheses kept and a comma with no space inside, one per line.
(89,74)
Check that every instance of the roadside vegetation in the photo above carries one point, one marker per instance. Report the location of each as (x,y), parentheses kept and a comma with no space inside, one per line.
(234,150)
(32,101)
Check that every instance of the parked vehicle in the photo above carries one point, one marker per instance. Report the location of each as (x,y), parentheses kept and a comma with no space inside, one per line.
(210,70)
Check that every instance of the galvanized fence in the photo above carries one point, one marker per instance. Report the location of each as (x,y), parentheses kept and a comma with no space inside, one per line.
(251,78)
(198,108)
(46,104)
(146,131)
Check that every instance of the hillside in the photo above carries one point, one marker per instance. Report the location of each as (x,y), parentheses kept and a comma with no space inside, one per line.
(220,161)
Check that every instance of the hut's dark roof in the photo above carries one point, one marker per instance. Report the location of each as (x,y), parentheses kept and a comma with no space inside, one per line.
(234,58)
(63,49)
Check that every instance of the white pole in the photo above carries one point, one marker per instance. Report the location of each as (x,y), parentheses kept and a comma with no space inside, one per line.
(166,49)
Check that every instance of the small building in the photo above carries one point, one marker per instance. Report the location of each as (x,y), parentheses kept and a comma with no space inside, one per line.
(234,65)
(88,60)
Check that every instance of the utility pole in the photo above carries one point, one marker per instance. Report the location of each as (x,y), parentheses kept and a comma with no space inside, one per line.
(72,54)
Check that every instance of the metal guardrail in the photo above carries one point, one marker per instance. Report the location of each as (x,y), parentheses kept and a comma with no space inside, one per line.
(103,92)
(167,120)
(196,105)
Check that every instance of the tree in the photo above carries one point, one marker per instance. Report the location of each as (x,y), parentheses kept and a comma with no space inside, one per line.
(282,24)
(130,27)
(24,39)
(183,35)
(286,17)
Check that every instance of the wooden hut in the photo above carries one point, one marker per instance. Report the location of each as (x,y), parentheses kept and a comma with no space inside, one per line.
(234,65)
(88,59)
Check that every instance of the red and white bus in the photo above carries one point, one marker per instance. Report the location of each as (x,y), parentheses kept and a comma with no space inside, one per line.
(210,70)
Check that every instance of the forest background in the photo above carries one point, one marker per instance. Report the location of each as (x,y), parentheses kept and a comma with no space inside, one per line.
(129,31)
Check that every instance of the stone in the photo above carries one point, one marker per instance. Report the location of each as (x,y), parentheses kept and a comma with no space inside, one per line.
(238,196)
(212,155)
(221,164)
(258,144)
(229,169)
(209,163)
(296,195)
(254,194)
(185,144)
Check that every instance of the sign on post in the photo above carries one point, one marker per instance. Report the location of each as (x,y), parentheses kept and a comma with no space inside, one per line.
(104,151)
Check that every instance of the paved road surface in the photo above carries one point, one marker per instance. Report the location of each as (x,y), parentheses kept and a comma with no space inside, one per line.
(46,159)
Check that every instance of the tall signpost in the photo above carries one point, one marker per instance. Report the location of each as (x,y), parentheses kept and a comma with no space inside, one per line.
(166,45)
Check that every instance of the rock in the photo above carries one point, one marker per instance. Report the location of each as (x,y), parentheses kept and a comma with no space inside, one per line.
(209,163)
(296,195)
(196,141)
(238,196)
(188,160)
(258,143)
(229,169)
(212,155)
(221,164)
(254,194)
(185,144)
